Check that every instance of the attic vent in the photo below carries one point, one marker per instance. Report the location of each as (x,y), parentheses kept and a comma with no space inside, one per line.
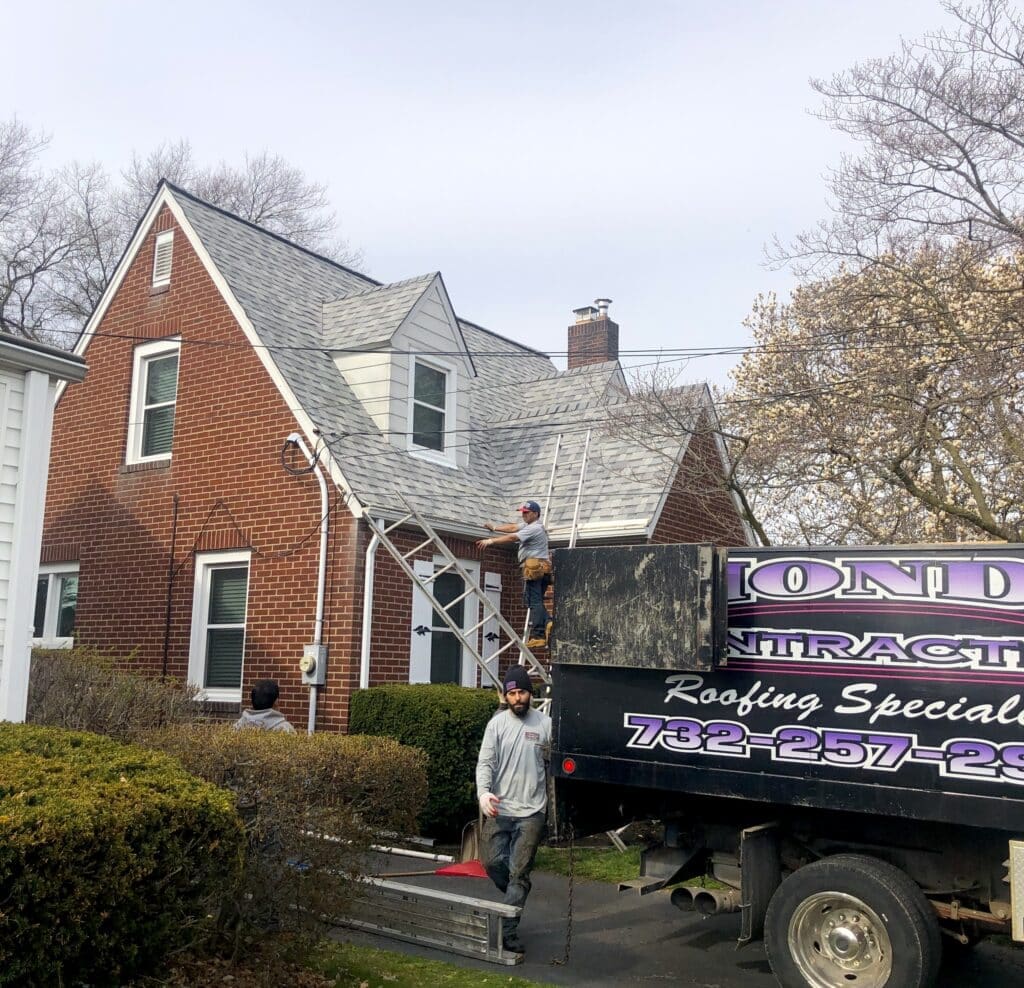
(162,257)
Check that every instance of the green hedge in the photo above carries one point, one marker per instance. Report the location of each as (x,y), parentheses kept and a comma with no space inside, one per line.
(447,722)
(110,856)
(293,788)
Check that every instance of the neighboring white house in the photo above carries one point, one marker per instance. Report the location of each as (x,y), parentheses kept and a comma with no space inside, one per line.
(29,375)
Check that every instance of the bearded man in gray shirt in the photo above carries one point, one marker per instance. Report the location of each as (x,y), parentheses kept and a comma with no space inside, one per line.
(511,784)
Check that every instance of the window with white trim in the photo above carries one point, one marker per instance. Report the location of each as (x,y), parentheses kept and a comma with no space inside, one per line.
(53,622)
(432,389)
(163,256)
(219,604)
(153,401)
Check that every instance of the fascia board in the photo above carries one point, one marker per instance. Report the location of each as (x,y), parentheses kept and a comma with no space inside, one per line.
(453,323)
(723,454)
(454,320)
(615,528)
(673,473)
(305,423)
(161,196)
(65,367)
(443,526)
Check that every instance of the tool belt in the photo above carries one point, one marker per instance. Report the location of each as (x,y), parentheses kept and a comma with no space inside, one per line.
(536,569)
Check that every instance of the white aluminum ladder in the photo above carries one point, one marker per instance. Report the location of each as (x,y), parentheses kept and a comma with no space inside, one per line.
(465,636)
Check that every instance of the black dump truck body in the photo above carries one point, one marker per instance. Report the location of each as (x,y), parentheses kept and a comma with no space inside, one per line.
(830,702)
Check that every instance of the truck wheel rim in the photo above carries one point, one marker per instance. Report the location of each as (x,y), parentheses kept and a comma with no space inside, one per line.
(835,940)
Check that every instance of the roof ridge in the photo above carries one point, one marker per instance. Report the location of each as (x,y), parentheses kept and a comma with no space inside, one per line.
(383,287)
(262,229)
(507,339)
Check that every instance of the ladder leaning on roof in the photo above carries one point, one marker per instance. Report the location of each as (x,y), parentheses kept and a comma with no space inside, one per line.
(466,636)
(574,531)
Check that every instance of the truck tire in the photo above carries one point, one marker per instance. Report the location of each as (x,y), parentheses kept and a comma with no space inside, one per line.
(851,921)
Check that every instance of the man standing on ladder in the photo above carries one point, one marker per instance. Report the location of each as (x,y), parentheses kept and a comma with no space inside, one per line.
(535,560)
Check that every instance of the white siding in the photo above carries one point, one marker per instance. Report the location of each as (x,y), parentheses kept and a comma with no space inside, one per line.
(369,375)
(11,397)
(429,330)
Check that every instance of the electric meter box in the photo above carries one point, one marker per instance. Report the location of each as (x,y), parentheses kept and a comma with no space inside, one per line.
(313,665)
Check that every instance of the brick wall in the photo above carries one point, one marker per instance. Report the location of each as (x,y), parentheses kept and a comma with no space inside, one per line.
(393,592)
(232,493)
(698,507)
(230,425)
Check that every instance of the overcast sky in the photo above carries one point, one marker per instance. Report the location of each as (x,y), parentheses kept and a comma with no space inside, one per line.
(538,154)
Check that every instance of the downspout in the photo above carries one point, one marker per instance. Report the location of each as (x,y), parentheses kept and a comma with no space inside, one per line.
(318,629)
(170,586)
(369,568)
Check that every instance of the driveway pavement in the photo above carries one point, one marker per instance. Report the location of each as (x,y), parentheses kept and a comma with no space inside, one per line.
(627,939)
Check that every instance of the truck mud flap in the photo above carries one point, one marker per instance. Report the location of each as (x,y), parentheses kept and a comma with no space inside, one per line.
(761,875)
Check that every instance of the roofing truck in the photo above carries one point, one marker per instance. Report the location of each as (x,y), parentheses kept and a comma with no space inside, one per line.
(842,744)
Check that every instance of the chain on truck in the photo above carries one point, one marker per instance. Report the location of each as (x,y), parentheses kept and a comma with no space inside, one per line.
(836,734)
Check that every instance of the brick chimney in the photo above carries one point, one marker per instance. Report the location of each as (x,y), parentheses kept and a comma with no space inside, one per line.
(593,338)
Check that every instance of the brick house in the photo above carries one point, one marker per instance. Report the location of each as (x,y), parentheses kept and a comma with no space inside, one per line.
(193,526)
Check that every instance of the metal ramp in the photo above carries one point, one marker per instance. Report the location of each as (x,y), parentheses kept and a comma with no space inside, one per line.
(465,636)
(460,924)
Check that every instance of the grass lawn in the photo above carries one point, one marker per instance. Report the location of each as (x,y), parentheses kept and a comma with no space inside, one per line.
(367,967)
(598,864)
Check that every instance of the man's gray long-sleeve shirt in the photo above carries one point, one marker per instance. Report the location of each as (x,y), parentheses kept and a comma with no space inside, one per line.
(512,763)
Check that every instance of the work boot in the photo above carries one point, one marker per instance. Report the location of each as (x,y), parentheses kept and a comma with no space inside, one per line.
(536,642)
(512,942)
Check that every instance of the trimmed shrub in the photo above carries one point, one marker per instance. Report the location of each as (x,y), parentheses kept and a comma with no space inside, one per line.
(111,856)
(311,806)
(447,722)
(83,689)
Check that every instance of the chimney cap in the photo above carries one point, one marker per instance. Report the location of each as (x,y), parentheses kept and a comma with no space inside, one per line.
(585,313)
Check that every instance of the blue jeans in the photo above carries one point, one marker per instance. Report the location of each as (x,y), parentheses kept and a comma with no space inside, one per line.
(533,598)
(509,847)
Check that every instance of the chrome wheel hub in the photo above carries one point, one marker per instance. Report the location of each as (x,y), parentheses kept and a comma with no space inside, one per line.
(836,940)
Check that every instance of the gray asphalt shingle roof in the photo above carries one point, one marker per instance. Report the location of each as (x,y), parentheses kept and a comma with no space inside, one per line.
(371,316)
(302,305)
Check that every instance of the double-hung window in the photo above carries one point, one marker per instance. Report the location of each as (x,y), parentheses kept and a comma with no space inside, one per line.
(154,396)
(431,409)
(53,621)
(218,624)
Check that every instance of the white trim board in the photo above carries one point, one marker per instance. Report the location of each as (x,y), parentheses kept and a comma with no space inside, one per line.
(165,197)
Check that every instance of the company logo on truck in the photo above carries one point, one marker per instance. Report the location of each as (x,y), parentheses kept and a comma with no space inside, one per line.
(913,613)
(992,582)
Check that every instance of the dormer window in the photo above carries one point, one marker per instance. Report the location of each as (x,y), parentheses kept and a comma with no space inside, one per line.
(432,409)
(163,255)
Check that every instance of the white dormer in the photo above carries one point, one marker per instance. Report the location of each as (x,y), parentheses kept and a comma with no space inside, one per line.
(407,364)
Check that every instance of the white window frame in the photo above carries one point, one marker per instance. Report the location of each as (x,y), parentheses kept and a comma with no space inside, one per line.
(53,572)
(446,456)
(162,239)
(206,563)
(145,353)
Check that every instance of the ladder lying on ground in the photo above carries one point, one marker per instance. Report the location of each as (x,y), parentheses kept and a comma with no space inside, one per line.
(466,636)
(436,918)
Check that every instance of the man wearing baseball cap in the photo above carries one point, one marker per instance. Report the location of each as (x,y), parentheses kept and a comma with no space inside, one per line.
(535,560)
(511,784)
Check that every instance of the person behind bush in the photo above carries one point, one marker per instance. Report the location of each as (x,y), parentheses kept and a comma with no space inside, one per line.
(511,782)
(262,714)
